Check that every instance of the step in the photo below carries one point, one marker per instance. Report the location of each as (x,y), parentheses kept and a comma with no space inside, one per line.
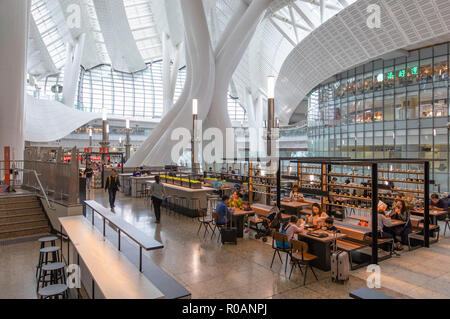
(12,205)
(30,217)
(20,211)
(25,233)
(17,199)
(23,225)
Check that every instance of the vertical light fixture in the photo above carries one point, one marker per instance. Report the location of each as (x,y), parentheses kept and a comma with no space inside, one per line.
(105,134)
(194,119)
(90,137)
(127,140)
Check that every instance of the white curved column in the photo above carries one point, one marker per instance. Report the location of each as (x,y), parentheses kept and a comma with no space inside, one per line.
(227,60)
(72,70)
(14,21)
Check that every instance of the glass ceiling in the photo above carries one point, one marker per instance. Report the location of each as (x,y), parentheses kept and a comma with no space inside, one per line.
(49,32)
(143,27)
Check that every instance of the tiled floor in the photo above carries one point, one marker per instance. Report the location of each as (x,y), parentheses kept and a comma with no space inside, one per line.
(210,270)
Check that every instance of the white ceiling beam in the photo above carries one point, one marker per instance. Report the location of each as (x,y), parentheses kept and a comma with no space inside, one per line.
(304,16)
(291,13)
(344,3)
(286,20)
(322,11)
(284,34)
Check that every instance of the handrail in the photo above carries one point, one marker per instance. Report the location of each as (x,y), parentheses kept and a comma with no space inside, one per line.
(113,220)
(41,188)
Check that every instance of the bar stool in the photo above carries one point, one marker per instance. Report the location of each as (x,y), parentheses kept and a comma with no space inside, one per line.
(49,239)
(53,251)
(54,292)
(55,272)
(44,240)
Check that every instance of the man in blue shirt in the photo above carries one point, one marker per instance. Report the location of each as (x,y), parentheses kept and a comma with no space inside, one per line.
(223,211)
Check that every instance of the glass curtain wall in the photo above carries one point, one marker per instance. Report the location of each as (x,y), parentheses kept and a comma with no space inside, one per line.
(387,109)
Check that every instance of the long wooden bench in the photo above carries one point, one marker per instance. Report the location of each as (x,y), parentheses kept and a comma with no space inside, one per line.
(357,237)
(114,275)
(417,232)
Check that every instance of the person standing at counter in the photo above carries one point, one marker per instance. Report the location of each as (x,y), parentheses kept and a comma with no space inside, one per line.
(112,186)
(157,193)
(318,216)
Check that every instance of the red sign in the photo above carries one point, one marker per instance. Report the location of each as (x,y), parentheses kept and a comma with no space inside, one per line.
(7,155)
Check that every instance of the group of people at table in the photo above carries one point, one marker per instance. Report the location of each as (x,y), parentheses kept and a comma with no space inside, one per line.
(387,228)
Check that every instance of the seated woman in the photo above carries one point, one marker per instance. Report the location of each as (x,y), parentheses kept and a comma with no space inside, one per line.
(401,212)
(137,172)
(236,200)
(318,216)
(295,195)
(384,222)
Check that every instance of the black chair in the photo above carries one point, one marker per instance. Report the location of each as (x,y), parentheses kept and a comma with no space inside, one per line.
(204,221)
(217,226)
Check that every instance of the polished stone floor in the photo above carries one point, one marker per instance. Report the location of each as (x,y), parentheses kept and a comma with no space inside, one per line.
(211,270)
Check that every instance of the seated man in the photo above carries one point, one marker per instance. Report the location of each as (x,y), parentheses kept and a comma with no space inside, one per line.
(437,203)
(223,211)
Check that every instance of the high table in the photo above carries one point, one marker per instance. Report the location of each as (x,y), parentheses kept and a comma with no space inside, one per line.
(320,247)
(137,184)
(188,193)
(434,214)
(125,181)
(238,220)
(298,206)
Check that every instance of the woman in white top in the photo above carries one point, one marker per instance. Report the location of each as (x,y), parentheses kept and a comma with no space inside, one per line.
(318,216)
(295,195)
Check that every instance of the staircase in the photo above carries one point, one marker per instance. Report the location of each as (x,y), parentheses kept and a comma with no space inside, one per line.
(22,216)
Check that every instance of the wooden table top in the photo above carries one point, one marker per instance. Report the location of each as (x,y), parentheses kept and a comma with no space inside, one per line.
(113,273)
(327,239)
(432,212)
(241,212)
(295,204)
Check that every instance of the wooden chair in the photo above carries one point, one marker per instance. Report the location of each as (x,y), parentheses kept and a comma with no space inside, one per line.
(278,237)
(204,221)
(300,256)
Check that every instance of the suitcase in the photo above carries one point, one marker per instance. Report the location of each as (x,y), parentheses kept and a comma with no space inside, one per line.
(340,264)
(229,235)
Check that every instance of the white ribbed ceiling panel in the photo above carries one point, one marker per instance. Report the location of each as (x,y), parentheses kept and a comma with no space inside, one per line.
(345,41)
(119,40)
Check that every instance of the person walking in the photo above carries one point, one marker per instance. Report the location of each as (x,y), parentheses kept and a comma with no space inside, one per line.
(112,186)
(88,172)
(158,194)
